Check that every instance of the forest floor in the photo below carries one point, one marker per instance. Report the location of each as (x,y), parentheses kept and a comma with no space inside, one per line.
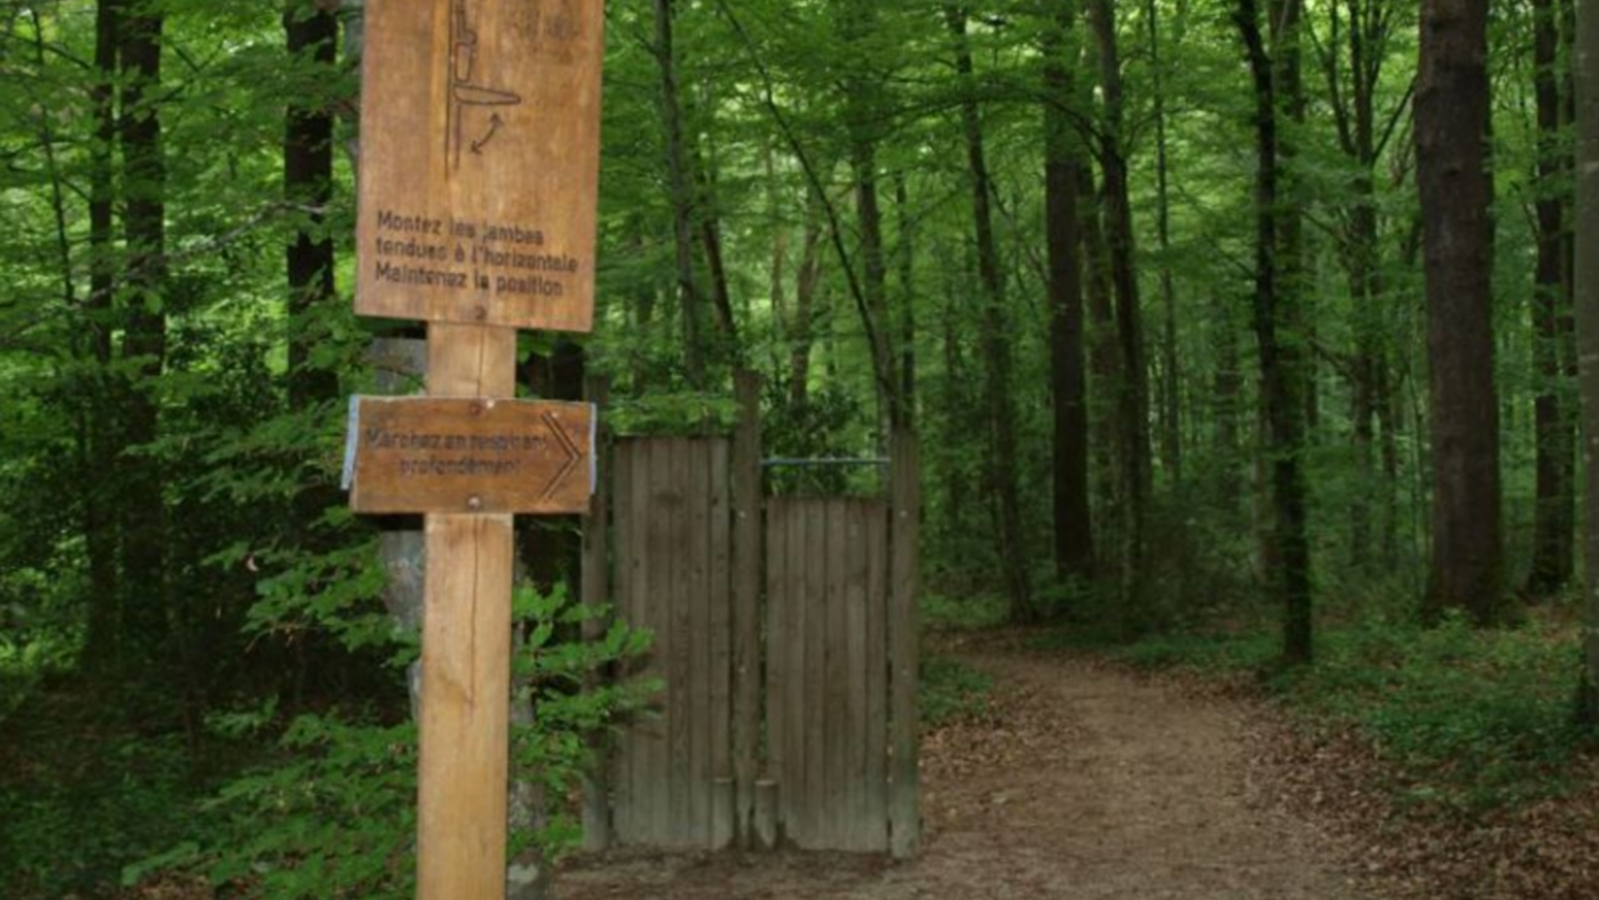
(1081,779)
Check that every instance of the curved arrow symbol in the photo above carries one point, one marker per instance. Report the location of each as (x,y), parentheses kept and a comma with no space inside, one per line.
(494,128)
(574,455)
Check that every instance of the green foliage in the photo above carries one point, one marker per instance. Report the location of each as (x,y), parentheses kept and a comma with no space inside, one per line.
(1468,719)
(685,412)
(334,814)
(951,690)
(85,791)
(1464,720)
(946,612)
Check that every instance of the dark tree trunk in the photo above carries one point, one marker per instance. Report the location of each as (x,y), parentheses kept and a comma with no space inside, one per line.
(1171,425)
(863,119)
(1366,33)
(1133,389)
(145,627)
(1074,535)
(996,342)
(802,327)
(682,195)
(1280,363)
(1555,507)
(1586,305)
(100,519)
(710,230)
(905,253)
(312,34)
(1452,121)
(1104,362)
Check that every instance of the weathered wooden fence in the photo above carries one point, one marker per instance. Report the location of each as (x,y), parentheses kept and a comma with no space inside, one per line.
(785,630)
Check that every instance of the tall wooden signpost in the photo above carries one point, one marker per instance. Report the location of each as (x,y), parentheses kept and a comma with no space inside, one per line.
(478,183)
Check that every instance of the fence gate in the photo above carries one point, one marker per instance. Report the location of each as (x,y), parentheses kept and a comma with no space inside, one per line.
(785,630)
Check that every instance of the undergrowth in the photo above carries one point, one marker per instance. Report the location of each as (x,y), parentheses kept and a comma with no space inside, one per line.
(1464,720)
(951,690)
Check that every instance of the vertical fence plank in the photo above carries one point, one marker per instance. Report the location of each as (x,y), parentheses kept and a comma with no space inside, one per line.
(746,602)
(596,578)
(835,752)
(779,656)
(656,609)
(622,751)
(679,714)
(855,807)
(797,791)
(814,598)
(719,597)
(876,677)
(905,719)
(696,687)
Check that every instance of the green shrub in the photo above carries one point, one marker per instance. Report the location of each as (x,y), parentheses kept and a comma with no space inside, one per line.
(1464,719)
(334,816)
(951,690)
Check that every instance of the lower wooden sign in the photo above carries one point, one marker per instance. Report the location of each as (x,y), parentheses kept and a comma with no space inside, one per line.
(477,455)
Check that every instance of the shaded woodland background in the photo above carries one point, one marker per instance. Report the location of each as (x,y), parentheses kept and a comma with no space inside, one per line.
(1215,317)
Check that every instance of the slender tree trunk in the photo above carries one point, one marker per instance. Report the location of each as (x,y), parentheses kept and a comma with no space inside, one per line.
(802,327)
(682,194)
(1105,364)
(996,342)
(1279,358)
(1074,535)
(905,254)
(710,232)
(1587,320)
(1368,31)
(1554,510)
(1133,389)
(144,338)
(863,118)
(100,519)
(1171,380)
(312,33)
(1452,120)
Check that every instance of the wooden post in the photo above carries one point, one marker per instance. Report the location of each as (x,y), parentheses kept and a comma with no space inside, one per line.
(746,604)
(597,593)
(905,818)
(466,655)
(763,822)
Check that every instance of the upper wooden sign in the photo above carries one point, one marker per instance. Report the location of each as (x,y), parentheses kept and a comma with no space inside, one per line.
(469,455)
(480,146)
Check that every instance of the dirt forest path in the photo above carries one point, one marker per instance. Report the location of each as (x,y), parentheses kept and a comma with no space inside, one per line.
(1082,782)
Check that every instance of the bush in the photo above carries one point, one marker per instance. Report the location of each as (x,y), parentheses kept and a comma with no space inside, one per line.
(951,690)
(335,815)
(1465,720)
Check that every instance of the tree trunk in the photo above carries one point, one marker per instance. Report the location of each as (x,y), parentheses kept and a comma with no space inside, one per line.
(682,197)
(905,254)
(1105,364)
(996,342)
(1452,121)
(863,119)
(312,33)
(802,327)
(1171,426)
(1133,389)
(1586,302)
(1554,509)
(1280,360)
(1074,536)
(144,339)
(100,521)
